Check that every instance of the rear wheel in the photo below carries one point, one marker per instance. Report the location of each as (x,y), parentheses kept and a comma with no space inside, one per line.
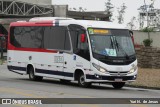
(82,82)
(118,85)
(32,75)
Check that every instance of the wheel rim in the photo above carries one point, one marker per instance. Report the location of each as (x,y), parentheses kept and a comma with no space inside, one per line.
(82,80)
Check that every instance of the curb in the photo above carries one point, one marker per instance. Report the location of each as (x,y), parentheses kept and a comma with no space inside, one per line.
(145,87)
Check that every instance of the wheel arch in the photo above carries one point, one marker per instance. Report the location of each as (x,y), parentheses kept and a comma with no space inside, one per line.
(30,66)
(77,73)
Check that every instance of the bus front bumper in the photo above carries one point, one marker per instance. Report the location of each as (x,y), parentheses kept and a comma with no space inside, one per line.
(99,78)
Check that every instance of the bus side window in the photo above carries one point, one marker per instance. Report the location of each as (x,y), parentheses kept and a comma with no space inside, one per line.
(79,48)
(56,38)
(67,45)
(13,40)
(26,37)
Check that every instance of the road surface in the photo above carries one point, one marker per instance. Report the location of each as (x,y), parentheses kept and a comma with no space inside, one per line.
(13,85)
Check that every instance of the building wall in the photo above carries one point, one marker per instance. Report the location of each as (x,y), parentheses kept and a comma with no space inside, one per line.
(40,2)
(140,36)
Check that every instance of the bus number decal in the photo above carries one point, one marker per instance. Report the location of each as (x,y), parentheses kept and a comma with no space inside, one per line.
(58,59)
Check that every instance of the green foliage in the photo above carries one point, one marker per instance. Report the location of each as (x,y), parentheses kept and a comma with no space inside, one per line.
(147,42)
(146,29)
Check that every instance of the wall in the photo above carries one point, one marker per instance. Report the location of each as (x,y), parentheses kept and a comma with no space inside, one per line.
(148,57)
(140,36)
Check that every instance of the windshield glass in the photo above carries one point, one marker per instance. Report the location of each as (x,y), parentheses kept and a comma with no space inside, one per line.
(111,42)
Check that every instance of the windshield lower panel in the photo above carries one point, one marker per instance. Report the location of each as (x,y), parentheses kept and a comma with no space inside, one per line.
(112,46)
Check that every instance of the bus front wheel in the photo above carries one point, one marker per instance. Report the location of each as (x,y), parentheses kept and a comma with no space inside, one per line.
(118,85)
(81,81)
(32,75)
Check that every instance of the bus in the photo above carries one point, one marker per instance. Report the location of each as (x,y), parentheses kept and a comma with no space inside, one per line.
(72,50)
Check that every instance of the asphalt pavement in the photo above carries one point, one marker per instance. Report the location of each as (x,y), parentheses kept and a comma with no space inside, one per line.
(13,85)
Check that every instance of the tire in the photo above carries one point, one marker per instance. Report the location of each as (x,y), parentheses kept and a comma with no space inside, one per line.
(118,85)
(65,81)
(81,81)
(33,77)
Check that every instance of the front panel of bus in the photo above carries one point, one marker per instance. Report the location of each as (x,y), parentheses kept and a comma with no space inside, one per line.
(113,55)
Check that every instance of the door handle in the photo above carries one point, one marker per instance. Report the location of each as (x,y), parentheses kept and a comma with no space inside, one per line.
(30,57)
(65,62)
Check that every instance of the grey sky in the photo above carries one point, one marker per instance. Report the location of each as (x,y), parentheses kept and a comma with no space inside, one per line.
(98,5)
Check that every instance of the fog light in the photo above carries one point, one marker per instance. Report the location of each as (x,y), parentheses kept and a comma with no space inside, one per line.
(135,76)
(97,76)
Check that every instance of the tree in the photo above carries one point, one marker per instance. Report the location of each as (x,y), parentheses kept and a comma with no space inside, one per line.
(131,24)
(109,8)
(121,12)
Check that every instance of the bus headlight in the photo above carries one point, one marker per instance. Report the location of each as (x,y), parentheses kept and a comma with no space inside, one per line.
(132,70)
(99,68)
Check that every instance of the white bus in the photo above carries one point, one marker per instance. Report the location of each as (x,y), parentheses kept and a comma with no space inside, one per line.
(72,50)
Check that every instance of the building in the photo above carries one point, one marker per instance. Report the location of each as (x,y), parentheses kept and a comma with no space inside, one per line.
(14,10)
(25,9)
(62,11)
(37,2)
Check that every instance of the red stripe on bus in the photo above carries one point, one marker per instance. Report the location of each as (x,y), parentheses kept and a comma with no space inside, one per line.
(11,47)
(24,24)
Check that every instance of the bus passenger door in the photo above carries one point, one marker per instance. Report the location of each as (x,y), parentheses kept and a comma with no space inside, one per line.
(79,58)
(69,66)
(69,60)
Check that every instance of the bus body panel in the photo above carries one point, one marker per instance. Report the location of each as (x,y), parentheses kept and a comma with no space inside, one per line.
(44,64)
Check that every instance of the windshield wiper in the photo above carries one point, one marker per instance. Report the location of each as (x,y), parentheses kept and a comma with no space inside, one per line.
(120,47)
(111,41)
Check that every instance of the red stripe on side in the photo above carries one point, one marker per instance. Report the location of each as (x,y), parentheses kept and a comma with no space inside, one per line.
(11,47)
(24,24)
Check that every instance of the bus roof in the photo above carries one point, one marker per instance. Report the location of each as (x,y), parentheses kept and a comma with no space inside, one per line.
(53,21)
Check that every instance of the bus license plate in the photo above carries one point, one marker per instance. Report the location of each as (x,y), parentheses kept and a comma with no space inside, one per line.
(118,80)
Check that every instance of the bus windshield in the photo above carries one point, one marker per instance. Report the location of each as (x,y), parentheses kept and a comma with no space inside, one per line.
(111,42)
